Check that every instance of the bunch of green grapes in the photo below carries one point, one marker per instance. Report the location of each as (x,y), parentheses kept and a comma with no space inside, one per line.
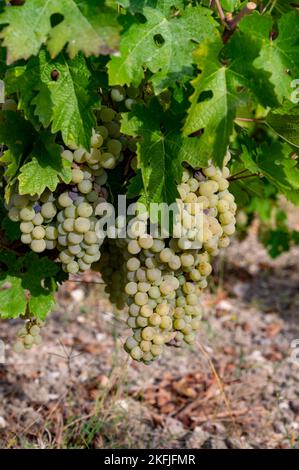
(29,335)
(151,288)
(167,276)
(187,313)
(207,210)
(125,97)
(34,214)
(106,145)
(64,221)
(77,240)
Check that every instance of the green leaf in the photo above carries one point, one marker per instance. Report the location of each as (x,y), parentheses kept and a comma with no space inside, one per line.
(45,168)
(17,134)
(12,229)
(245,190)
(283,6)
(12,296)
(230,5)
(163,43)
(248,161)
(234,75)
(276,242)
(21,80)
(274,162)
(65,103)
(280,56)
(28,279)
(285,125)
(161,150)
(39,279)
(90,27)
(241,52)
(213,103)
(135,187)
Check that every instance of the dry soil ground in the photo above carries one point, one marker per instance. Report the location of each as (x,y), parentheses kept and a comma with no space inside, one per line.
(238,388)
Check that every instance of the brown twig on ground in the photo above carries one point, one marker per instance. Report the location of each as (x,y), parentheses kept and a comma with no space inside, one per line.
(222,415)
(220,385)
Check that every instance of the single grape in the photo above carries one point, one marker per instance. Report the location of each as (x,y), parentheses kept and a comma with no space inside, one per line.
(82,225)
(38,233)
(27,214)
(107,114)
(118,94)
(38,246)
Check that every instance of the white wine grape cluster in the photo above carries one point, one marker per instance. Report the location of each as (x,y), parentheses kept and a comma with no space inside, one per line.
(65,220)
(159,279)
(151,290)
(125,97)
(29,335)
(165,277)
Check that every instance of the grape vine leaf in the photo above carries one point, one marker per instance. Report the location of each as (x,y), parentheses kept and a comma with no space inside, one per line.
(12,297)
(275,163)
(17,134)
(230,5)
(21,80)
(135,186)
(87,26)
(285,125)
(161,150)
(218,91)
(280,56)
(229,76)
(277,242)
(27,279)
(45,168)
(244,192)
(163,41)
(241,52)
(238,73)
(283,6)
(11,229)
(65,103)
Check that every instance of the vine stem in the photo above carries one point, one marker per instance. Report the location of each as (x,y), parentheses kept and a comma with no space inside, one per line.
(247,10)
(272,6)
(84,282)
(232,23)
(220,12)
(253,175)
(238,173)
(249,119)
(266,7)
